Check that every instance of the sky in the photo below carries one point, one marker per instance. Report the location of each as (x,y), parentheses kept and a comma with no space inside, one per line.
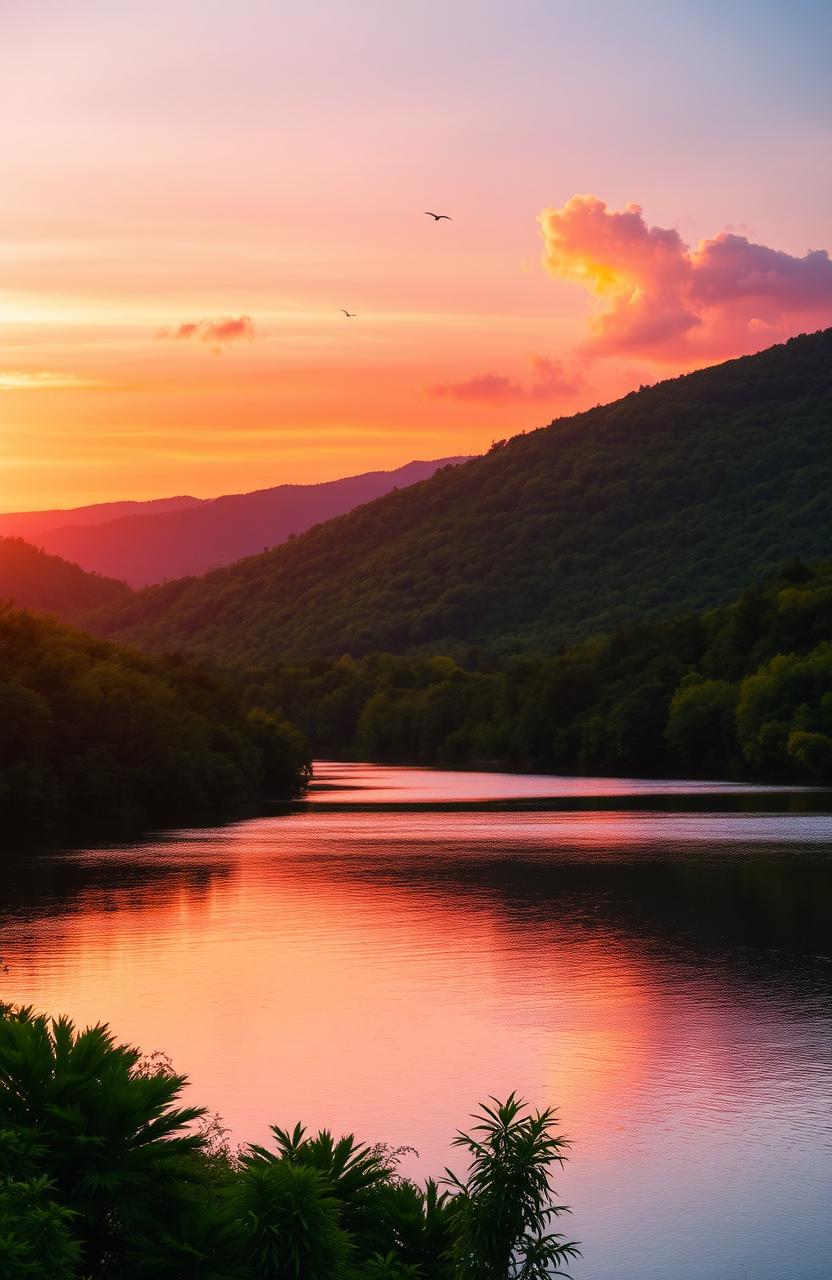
(193,190)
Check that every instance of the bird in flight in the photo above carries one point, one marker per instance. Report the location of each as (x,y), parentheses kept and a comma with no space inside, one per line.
(348,314)
(436,216)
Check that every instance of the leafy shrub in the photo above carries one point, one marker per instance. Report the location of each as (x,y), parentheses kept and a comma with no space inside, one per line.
(104,1176)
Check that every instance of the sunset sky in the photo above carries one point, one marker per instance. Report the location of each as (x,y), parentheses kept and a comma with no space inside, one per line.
(193,190)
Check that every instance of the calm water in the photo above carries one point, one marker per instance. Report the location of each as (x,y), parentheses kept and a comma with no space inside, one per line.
(410,941)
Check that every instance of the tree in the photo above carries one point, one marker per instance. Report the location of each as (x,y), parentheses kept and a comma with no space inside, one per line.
(421,1225)
(352,1174)
(504,1206)
(291,1221)
(110,1142)
(785,710)
(36,1241)
(700,725)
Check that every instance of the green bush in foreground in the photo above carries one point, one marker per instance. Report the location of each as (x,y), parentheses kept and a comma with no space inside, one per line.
(104,1174)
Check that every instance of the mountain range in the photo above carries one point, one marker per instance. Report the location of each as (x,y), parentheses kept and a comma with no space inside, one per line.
(28,524)
(668,500)
(149,542)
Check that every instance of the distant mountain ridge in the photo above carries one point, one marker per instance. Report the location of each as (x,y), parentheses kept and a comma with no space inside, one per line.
(23,524)
(670,499)
(146,543)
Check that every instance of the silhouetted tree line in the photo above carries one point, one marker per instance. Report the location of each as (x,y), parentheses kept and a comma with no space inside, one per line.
(103,1173)
(96,737)
(742,690)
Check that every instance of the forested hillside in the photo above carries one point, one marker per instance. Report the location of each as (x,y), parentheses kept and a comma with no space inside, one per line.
(744,690)
(33,580)
(94,737)
(671,499)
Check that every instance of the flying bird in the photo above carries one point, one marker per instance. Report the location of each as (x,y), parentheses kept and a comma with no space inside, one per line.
(437,216)
(348,314)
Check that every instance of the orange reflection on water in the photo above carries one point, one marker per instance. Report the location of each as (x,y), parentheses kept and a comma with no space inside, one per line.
(288,991)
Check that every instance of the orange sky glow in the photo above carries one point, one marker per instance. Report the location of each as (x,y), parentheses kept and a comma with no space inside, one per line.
(194,193)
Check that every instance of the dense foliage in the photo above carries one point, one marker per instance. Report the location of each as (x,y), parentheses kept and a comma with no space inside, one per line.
(93,736)
(671,499)
(746,689)
(104,1174)
(32,579)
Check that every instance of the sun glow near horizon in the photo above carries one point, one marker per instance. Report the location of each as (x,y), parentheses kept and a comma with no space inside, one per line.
(233,170)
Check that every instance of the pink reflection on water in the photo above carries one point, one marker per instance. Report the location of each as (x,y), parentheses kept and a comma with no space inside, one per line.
(361,970)
(337,782)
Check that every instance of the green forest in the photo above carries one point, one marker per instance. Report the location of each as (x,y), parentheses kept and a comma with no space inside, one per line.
(670,500)
(94,737)
(745,690)
(103,1173)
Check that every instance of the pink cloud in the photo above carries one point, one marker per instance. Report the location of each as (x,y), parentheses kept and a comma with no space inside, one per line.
(214,333)
(664,301)
(483,386)
(550,379)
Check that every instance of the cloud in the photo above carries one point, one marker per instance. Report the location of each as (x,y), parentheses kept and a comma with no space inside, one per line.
(214,333)
(550,380)
(662,300)
(46,380)
(483,386)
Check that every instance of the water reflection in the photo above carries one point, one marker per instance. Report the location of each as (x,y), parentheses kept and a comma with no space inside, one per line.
(665,980)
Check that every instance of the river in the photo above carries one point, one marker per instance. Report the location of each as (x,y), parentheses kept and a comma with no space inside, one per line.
(653,959)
